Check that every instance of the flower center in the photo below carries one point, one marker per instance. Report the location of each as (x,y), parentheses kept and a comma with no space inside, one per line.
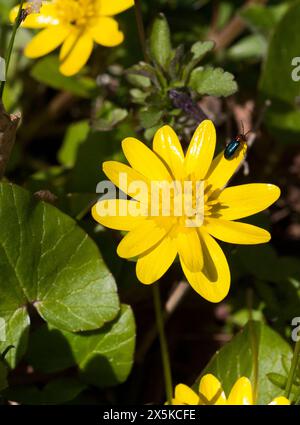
(76,12)
(184,202)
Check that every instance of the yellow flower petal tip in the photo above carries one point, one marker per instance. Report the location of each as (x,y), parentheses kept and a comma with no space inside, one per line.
(75,25)
(185,207)
(210,392)
(280,401)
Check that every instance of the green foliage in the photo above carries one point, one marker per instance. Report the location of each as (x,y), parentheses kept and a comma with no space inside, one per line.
(262,18)
(255,352)
(213,82)
(174,68)
(160,42)
(108,116)
(251,47)
(46,71)
(47,261)
(104,357)
(277,81)
(76,134)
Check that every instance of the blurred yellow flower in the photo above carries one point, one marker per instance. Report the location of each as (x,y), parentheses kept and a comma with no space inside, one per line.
(156,239)
(76,25)
(211,392)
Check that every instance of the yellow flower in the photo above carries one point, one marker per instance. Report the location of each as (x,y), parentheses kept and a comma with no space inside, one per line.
(156,240)
(211,392)
(76,25)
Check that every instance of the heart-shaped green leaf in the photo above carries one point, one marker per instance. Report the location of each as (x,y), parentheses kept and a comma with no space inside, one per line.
(49,263)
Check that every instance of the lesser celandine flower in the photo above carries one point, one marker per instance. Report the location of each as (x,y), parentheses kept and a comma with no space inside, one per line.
(210,392)
(76,25)
(156,239)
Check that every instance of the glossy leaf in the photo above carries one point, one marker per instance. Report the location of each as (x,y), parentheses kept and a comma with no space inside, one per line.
(49,263)
(257,345)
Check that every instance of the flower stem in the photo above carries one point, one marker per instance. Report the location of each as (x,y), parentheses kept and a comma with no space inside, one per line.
(17,23)
(141,29)
(163,343)
(293,369)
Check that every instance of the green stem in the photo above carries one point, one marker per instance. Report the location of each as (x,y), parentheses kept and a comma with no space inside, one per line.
(163,343)
(17,23)
(293,369)
(141,29)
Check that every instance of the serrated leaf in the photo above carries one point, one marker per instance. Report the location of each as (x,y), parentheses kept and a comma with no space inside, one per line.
(212,81)
(257,343)
(200,48)
(104,357)
(50,263)
(46,71)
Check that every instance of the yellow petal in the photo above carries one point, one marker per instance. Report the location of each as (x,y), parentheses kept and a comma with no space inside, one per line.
(113,7)
(189,248)
(46,17)
(46,41)
(106,32)
(201,151)
(167,145)
(154,264)
(142,238)
(211,388)
(280,401)
(128,180)
(214,281)
(222,169)
(117,213)
(144,160)
(241,393)
(241,201)
(236,232)
(185,395)
(75,52)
